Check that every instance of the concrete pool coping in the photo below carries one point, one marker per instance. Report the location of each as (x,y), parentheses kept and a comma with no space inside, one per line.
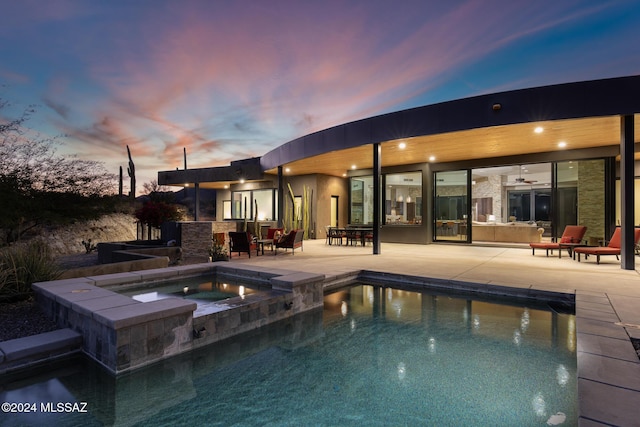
(606,299)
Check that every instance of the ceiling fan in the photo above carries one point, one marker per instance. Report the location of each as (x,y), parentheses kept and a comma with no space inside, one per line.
(521,180)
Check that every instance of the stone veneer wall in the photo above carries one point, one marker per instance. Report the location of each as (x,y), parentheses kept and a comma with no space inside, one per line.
(124,334)
(117,331)
(591,198)
(491,186)
(195,240)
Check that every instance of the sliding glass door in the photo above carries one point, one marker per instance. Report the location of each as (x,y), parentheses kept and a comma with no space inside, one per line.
(451,209)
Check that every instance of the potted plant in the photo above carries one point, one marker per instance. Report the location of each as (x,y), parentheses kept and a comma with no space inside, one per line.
(218,251)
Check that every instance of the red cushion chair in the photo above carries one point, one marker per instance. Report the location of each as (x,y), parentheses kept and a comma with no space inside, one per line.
(613,248)
(292,240)
(571,234)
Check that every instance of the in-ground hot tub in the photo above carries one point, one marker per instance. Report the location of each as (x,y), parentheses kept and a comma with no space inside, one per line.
(123,334)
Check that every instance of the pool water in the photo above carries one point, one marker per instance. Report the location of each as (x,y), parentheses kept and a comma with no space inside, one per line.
(203,290)
(373,356)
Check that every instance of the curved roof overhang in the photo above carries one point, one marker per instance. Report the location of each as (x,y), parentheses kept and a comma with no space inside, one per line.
(583,115)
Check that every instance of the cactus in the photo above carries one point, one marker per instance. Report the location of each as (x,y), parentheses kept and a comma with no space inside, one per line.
(288,214)
(131,170)
(120,183)
(256,227)
(290,221)
(306,210)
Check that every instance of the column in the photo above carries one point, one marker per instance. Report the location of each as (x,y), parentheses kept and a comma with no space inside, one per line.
(627,252)
(377,209)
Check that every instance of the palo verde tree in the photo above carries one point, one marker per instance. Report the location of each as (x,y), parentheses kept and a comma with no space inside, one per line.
(157,192)
(40,187)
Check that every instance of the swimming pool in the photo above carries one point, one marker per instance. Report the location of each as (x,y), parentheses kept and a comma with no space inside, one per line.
(372,356)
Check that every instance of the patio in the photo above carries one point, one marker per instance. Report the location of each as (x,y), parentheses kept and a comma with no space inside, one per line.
(607,300)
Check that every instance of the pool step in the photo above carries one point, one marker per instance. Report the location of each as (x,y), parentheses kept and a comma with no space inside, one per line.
(23,352)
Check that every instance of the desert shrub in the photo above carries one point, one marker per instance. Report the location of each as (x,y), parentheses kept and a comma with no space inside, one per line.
(21,266)
(154,214)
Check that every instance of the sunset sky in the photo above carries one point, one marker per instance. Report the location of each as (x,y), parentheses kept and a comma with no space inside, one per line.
(233,79)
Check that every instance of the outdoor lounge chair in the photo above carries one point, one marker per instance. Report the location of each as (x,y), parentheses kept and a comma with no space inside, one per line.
(571,234)
(274,233)
(613,248)
(239,241)
(292,240)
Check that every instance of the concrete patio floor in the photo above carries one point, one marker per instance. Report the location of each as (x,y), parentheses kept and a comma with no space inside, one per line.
(607,303)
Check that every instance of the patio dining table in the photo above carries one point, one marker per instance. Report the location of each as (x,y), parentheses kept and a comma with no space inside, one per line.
(352,234)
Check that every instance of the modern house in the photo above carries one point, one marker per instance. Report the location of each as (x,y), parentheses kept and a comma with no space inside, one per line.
(513,166)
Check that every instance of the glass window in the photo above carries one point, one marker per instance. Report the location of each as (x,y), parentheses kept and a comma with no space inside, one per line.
(264,198)
(403,198)
(226,209)
(361,200)
(243,204)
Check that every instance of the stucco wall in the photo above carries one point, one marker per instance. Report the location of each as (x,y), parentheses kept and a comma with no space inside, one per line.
(331,186)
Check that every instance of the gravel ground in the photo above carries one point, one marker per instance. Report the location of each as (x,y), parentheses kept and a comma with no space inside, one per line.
(25,318)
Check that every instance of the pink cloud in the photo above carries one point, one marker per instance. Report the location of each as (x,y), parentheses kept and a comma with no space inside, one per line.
(235,79)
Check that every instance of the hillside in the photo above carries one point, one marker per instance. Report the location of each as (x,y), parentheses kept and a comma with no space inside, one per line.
(67,240)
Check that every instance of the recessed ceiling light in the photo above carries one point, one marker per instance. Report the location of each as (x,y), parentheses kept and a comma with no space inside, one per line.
(287,170)
(242,181)
(538,129)
(562,144)
(402,145)
(353,167)
(344,174)
(226,186)
(432,158)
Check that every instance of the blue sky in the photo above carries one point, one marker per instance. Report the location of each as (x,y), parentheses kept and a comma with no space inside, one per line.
(229,80)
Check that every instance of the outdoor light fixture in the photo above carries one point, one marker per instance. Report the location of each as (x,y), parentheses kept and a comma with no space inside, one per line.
(562,144)
(402,145)
(538,129)
(353,167)
(432,158)
(242,181)
(287,170)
